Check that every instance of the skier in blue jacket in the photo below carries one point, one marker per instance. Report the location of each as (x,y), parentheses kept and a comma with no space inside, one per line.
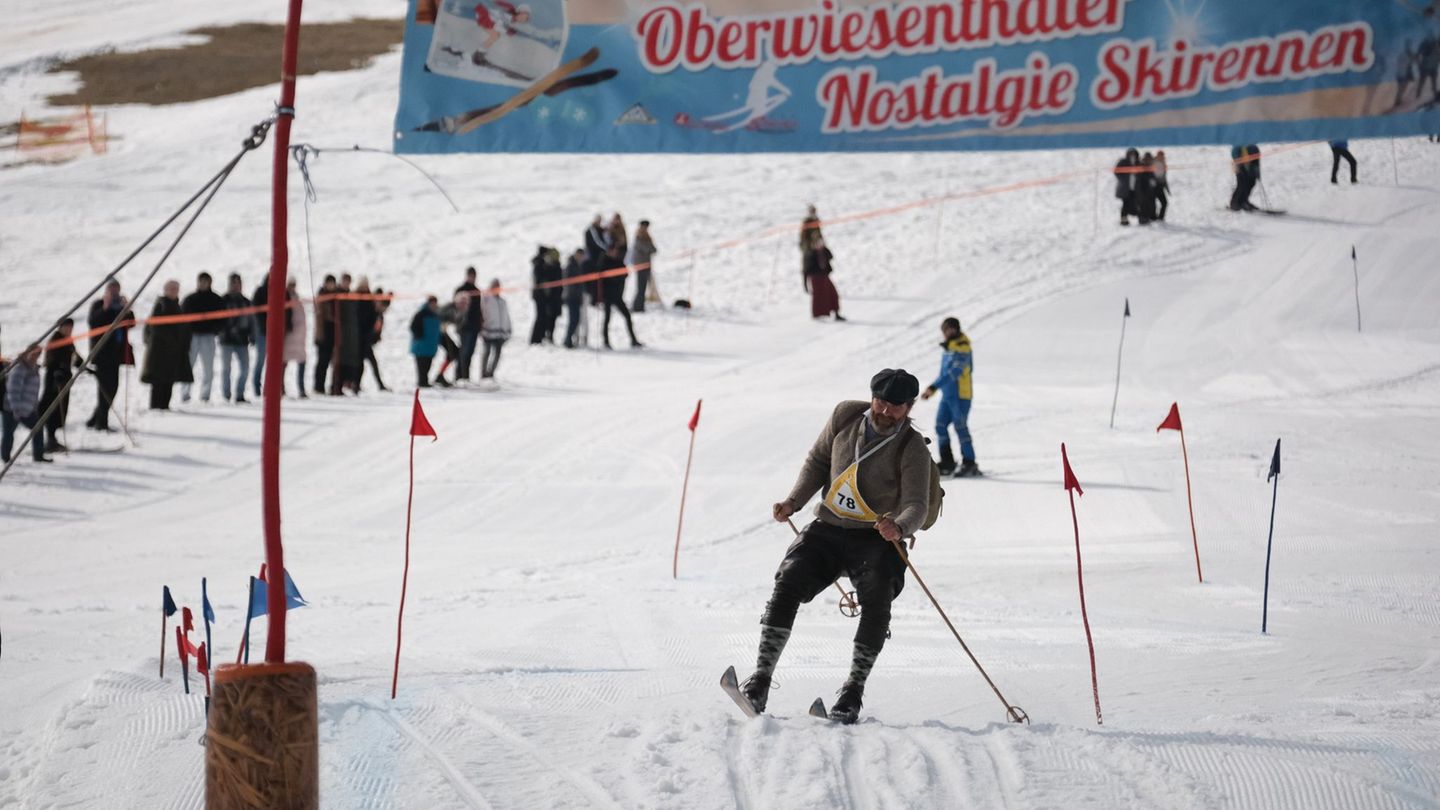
(954,385)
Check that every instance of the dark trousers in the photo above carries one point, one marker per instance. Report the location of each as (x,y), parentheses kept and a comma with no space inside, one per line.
(572,321)
(324,351)
(51,394)
(422,370)
(1129,207)
(1162,196)
(546,313)
(107,380)
(1335,166)
(374,366)
(491,357)
(10,423)
(1244,184)
(618,303)
(467,352)
(160,396)
(452,350)
(823,553)
(642,288)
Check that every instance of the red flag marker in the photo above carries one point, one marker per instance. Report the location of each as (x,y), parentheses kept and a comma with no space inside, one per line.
(1072,487)
(1172,422)
(419,426)
(684,491)
(184,659)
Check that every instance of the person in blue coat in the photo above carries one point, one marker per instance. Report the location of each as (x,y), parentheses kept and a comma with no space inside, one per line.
(1341,149)
(955,388)
(425,339)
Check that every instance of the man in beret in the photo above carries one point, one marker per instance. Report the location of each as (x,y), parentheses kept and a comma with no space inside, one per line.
(873,471)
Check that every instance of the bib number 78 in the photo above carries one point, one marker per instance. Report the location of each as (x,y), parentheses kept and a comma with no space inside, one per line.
(845,502)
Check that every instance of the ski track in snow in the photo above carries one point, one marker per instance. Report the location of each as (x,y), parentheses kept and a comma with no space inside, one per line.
(550,659)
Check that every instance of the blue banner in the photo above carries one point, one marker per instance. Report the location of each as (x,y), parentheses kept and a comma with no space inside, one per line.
(802,75)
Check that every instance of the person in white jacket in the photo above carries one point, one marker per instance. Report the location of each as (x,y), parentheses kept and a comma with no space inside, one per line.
(494,328)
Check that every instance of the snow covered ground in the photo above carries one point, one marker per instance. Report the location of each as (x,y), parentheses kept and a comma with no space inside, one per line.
(551,661)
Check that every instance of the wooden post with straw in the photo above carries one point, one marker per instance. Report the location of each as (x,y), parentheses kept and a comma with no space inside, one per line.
(262,746)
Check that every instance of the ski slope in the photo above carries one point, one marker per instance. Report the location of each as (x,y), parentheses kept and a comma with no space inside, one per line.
(551,661)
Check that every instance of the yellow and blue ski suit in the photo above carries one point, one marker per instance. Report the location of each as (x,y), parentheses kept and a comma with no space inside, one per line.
(954,386)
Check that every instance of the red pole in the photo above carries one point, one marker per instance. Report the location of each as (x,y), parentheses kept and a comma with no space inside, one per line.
(274,348)
(1186,455)
(684,490)
(405,578)
(1084,616)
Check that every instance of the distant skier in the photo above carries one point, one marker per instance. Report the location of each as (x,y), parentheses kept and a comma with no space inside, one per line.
(1341,149)
(809,230)
(954,386)
(875,474)
(1245,162)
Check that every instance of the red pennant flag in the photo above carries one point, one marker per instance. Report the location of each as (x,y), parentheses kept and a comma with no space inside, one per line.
(1071,482)
(419,425)
(189,619)
(202,661)
(695,419)
(1172,422)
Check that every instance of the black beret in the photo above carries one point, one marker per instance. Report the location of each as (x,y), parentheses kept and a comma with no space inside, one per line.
(895,385)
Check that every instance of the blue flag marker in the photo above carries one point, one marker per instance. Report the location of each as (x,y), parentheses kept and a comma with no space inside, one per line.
(260,607)
(168,605)
(167,609)
(1273,476)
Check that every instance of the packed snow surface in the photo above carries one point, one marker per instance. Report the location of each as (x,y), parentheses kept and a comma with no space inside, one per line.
(550,660)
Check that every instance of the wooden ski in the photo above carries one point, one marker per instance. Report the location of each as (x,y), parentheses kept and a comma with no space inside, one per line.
(529,94)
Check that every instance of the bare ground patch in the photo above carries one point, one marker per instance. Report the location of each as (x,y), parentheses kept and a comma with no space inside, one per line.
(234,58)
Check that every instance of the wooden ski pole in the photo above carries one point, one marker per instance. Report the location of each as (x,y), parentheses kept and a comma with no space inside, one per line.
(1013,713)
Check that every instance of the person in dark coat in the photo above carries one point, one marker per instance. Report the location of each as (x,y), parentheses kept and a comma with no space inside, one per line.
(597,241)
(1162,184)
(1245,161)
(612,292)
(1341,150)
(468,301)
(370,323)
(326,311)
(114,353)
(544,270)
(824,300)
(167,350)
(425,339)
(1126,182)
(204,334)
(59,361)
(350,355)
(1145,191)
(235,338)
(574,295)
